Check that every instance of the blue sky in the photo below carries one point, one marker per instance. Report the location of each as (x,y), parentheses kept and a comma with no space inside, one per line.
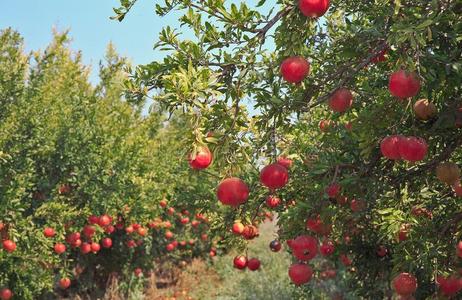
(90,26)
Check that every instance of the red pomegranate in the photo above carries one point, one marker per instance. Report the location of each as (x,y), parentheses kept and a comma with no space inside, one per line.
(93,219)
(341,100)
(273,201)
(326,125)
(106,243)
(285,162)
(95,247)
(49,232)
(304,247)
(88,231)
(64,283)
(5,294)
(274,176)
(403,84)
(405,284)
(449,286)
(170,247)
(275,246)
(138,272)
(60,248)
(104,220)
(327,248)
(250,232)
(240,262)
(300,273)
(313,8)
(85,248)
(412,148)
(9,246)
(389,147)
(333,190)
(201,159)
(294,69)
(382,251)
(253,264)
(232,191)
(238,228)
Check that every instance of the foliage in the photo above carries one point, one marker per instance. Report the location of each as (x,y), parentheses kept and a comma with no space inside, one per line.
(226,79)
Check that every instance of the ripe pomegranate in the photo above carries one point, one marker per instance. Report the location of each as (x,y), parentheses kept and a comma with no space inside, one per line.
(168,235)
(201,159)
(93,219)
(184,220)
(49,232)
(449,286)
(64,189)
(389,147)
(457,188)
(313,8)
(424,109)
(253,264)
(131,244)
(106,243)
(5,294)
(104,220)
(138,272)
(333,190)
(341,100)
(346,261)
(170,211)
(403,84)
(129,229)
(195,223)
(405,284)
(273,202)
(326,125)
(240,262)
(250,232)
(382,251)
(316,225)
(109,229)
(327,248)
(64,283)
(285,162)
(448,172)
(275,246)
(9,245)
(60,248)
(238,228)
(294,69)
(274,176)
(403,232)
(85,248)
(95,247)
(300,273)
(170,247)
(412,148)
(204,237)
(357,205)
(232,191)
(167,224)
(142,231)
(163,203)
(88,231)
(304,247)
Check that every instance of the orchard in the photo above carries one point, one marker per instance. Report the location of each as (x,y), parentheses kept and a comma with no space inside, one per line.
(342,120)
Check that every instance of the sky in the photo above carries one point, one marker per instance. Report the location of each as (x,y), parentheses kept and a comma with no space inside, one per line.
(90,27)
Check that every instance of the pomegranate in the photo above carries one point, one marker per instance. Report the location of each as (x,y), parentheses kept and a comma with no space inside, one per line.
(285,162)
(313,8)
(405,284)
(357,205)
(201,159)
(403,84)
(304,247)
(300,273)
(170,247)
(138,272)
(9,245)
(253,264)
(163,203)
(95,247)
(382,251)
(168,235)
(85,248)
(88,231)
(333,190)
(424,109)
(232,191)
(250,232)
(93,219)
(327,248)
(326,125)
(104,220)
(238,228)
(60,248)
(240,262)
(49,232)
(276,246)
(64,283)
(448,172)
(346,261)
(389,147)
(449,286)
(412,148)
(341,100)
(273,202)
(5,294)
(294,69)
(274,176)
(106,243)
